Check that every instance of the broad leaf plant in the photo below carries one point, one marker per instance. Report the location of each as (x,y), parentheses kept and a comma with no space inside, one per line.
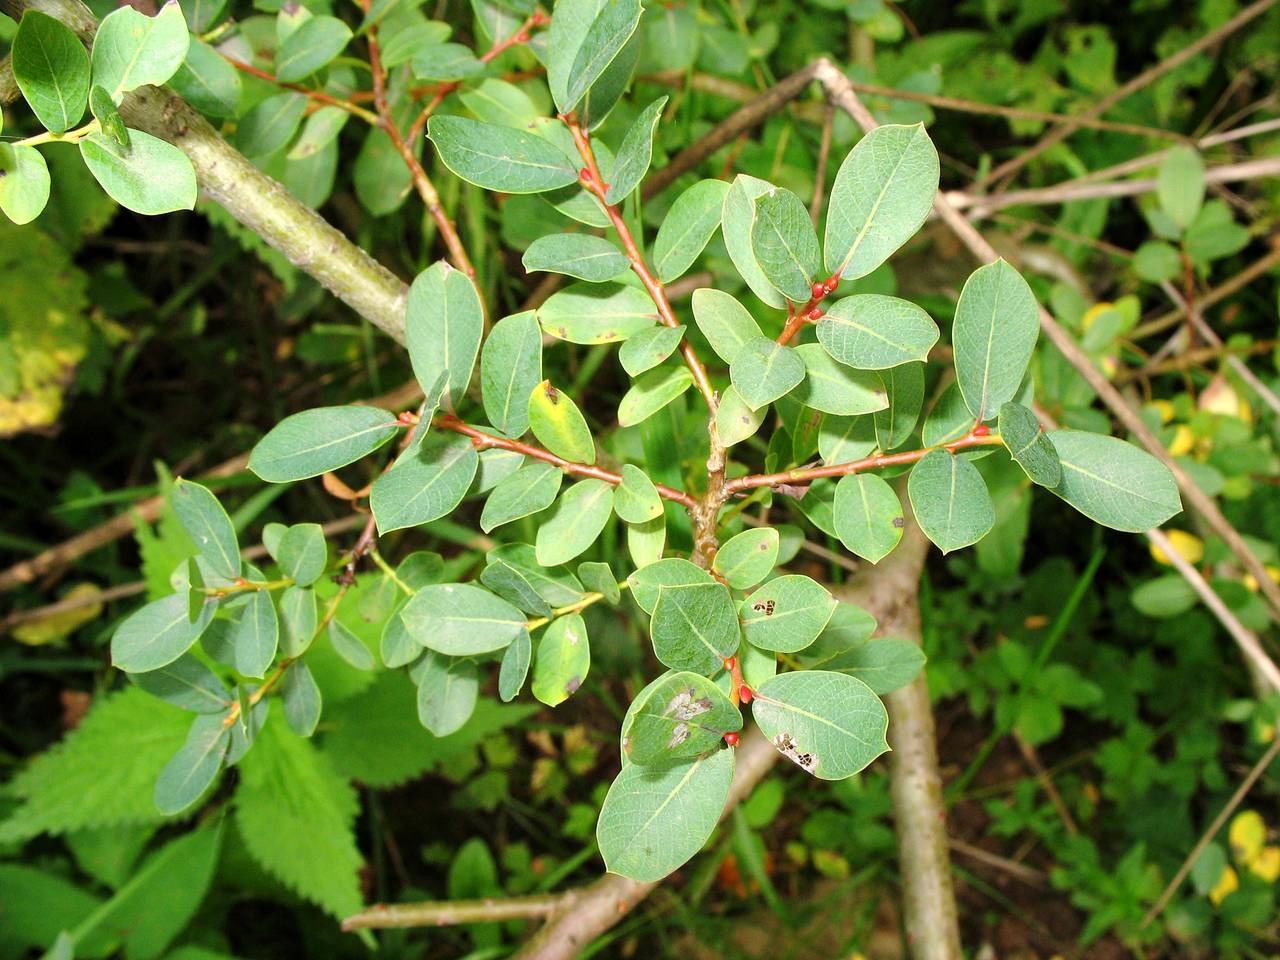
(810,396)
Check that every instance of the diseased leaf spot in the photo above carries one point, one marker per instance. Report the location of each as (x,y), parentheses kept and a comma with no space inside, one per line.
(552,394)
(572,685)
(899,523)
(787,747)
(764,606)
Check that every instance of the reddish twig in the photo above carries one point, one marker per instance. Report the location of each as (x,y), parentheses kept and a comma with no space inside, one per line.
(319,96)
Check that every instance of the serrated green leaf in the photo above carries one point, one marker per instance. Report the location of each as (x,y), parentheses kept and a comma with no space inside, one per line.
(195,766)
(24,183)
(904,386)
(684,715)
(635,154)
(186,683)
(655,818)
(636,498)
(499,158)
(559,425)
(157,634)
(562,660)
(514,667)
(1029,446)
(311,46)
(444,322)
(836,389)
(1114,483)
(302,700)
(828,724)
(882,194)
(576,521)
(296,816)
(149,176)
(131,49)
(210,84)
(671,572)
(995,331)
(585,37)
(208,526)
(873,332)
(950,500)
(651,392)
(687,228)
(592,313)
(313,442)
(762,371)
(510,367)
(529,490)
(424,485)
(579,255)
(647,349)
(746,559)
(737,221)
(868,516)
(459,619)
(694,627)
(51,67)
(784,244)
(786,614)
(725,322)
(447,691)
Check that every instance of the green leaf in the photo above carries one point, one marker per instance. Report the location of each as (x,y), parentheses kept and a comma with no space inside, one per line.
(636,152)
(688,226)
(784,244)
(948,420)
(609,89)
(208,526)
(905,388)
(684,715)
(445,61)
(737,220)
(655,818)
(447,690)
(318,132)
(597,313)
(24,183)
(578,255)
(302,700)
(671,572)
(186,683)
(317,441)
(882,194)
(1180,184)
(725,322)
(762,371)
(836,389)
(884,664)
(647,349)
(444,322)
(195,766)
(828,724)
(298,619)
(1114,483)
(513,569)
(585,37)
(130,49)
(51,67)
(350,647)
(157,634)
(950,500)
(1155,261)
(426,484)
(296,816)
(270,124)
(578,517)
(302,553)
(149,176)
(636,498)
(563,659)
(868,516)
(499,158)
(746,559)
(786,614)
(209,83)
(1028,445)
(559,425)
(308,48)
(651,392)
(529,490)
(598,578)
(873,332)
(202,14)
(1164,597)
(510,368)
(514,667)
(845,439)
(995,330)
(108,117)
(459,619)
(694,627)
(735,421)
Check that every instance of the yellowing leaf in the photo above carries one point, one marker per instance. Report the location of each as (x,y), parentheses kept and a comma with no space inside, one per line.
(1183,442)
(56,626)
(1266,864)
(1188,546)
(1228,884)
(1247,835)
(1220,397)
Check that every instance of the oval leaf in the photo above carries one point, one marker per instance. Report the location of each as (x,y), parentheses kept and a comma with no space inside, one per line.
(828,724)
(313,442)
(1114,483)
(868,516)
(950,500)
(874,332)
(995,330)
(786,614)
(559,425)
(459,619)
(499,158)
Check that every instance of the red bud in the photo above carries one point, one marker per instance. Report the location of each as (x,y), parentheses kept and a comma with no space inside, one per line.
(981,430)
(744,694)
(731,739)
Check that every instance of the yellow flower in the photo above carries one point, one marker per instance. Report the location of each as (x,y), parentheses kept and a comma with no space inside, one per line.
(1188,546)
(1183,442)
(1247,835)
(1228,883)
(1164,408)
(1267,864)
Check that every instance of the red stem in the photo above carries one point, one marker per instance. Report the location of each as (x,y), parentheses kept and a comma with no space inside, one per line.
(484,440)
